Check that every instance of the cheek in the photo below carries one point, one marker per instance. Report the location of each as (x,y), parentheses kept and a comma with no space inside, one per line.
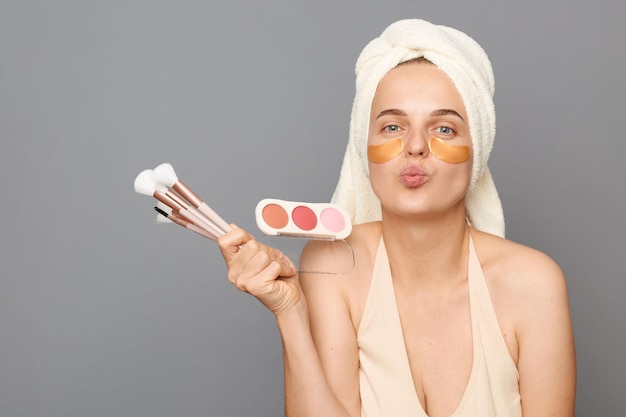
(385,151)
(454,154)
(379,177)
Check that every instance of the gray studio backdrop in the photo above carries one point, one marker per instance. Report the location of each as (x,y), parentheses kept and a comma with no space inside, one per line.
(105,313)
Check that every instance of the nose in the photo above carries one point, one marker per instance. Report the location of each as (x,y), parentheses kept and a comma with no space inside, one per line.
(416,144)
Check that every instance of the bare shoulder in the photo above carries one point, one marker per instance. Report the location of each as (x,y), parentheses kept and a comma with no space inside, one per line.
(510,266)
(335,303)
(529,295)
(350,264)
(528,292)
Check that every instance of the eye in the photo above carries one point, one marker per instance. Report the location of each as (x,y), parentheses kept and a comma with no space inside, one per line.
(445,130)
(391,128)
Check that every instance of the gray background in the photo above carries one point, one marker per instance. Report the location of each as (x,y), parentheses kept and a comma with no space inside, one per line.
(105,313)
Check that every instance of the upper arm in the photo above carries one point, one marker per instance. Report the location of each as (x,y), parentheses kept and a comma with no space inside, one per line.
(332,329)
(546,362)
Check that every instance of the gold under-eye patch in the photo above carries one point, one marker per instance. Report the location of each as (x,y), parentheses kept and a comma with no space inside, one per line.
(454,154)
(385,151)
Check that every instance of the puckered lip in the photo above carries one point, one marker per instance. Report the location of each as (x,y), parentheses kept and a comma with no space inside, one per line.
(413,171)
(413,176)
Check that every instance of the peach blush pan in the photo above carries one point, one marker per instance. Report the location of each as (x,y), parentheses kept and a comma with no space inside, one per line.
(453,154)
(276,217)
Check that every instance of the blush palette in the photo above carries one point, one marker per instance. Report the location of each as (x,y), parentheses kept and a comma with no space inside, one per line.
(311,220)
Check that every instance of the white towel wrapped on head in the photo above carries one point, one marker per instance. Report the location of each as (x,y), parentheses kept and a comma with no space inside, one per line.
(468,66)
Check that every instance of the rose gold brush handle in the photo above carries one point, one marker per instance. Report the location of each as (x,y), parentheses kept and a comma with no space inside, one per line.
(201,231)
(211,214)
(187,214)
(197,202)
(207,221)
(186,224)
(195,227)
(202,217)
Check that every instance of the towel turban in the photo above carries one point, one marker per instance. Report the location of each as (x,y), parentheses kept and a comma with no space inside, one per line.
(468,66)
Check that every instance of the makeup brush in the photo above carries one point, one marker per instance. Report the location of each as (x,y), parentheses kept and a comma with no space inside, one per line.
(181,221)
(144,184)
(165,174)
(165,214)
(161,218)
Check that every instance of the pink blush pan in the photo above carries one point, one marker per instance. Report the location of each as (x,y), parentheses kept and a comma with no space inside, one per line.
(311,220)
(304,218)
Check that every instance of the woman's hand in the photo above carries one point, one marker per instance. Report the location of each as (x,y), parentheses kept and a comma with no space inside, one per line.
(260,270)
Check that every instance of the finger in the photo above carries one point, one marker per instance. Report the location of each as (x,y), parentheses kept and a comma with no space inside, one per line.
(272,259)
(231,242)
(287,268)
(260,263)
(255,258)
(264,282)
(254,264)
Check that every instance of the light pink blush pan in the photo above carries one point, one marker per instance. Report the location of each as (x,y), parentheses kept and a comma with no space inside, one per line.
(333,220)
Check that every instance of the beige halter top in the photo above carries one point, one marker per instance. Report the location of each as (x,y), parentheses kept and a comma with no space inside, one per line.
(387,388)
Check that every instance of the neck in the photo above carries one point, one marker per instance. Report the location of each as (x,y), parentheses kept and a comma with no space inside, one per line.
(429,251)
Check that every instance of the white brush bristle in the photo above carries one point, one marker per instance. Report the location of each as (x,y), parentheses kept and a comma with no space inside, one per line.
(144,183)
(165,174)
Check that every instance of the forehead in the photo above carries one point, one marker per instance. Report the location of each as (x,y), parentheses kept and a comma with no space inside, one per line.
(414,83)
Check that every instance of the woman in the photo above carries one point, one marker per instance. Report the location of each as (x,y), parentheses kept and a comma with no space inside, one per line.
(441,316)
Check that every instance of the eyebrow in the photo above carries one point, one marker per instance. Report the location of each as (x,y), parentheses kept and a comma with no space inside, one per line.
(446,112)
(440,112)
(393,112)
